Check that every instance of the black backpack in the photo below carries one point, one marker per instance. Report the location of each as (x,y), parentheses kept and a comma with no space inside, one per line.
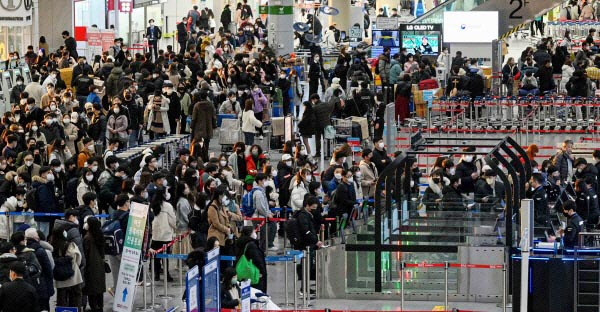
(195,220)
(31,198)
(71,193)
(292,231)
(63,267)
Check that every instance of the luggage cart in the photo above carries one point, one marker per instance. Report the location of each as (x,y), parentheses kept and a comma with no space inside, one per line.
(229,134)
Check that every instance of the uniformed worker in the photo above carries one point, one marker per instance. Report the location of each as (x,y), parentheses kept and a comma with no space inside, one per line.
(574,225)
(540,200)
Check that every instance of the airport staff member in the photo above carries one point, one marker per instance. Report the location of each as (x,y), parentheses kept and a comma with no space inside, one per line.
(574,225)
(540,199)
(153,34)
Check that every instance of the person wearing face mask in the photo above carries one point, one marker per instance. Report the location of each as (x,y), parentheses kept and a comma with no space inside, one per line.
(299,188)
(583,171)
(52,128)
(248,245)
(174,112)
(164,225)
(433,193)
(118,122)
(153,34)
(237,160)
(184,155)
(253,159)
(14,203)
(113,187)
(575,225)
(17,89)
(308,124)
(46,200)
(87,184)
(553,187)
(230,289)
(369,173)
(316,75)
(231,105)
(86,153)
(452,200)
(488,191)
(536,192)
(344,197)
(29,169)
(70,224)
(219,216)
(467,172)
(380,156)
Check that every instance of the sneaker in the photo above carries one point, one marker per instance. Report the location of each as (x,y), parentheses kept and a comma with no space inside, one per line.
(111,292)
(273,248)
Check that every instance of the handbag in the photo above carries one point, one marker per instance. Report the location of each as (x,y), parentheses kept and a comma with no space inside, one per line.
(246,270)
(329,133)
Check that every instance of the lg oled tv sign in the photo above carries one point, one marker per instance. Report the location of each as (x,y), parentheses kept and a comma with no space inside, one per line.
(15,12)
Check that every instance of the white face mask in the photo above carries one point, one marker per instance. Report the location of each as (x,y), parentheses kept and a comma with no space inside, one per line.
(288,163)
(253,235)
(223,163)
(74,116)
(91,148)
(468,158)
(117,110)
(381,145)
(89,177)
(66,121)
(19,83)
(34,128)
(167,196)
(351,179)
(281,76)
(338,176)
(309,178)
(52,107)
(29,163)
(452,171)
(94,168)
(50,177)
(303,152)
(225,201)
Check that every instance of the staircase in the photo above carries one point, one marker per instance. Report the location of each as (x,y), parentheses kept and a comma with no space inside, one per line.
(588,285)
(511,13)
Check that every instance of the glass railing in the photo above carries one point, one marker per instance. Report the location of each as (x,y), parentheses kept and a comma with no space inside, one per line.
(436,15)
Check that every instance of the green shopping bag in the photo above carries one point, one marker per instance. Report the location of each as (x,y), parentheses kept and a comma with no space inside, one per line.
(245,269)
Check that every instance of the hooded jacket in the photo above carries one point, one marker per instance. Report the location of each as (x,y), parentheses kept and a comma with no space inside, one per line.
(112,83)
(45,198)
(73,235)
(395,71)
(43,253)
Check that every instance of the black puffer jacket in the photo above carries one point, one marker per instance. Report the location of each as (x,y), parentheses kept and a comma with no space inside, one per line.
(308,124)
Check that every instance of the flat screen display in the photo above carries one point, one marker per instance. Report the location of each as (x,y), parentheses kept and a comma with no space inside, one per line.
(426,44)
(376,51)
(386,38)
(471,26)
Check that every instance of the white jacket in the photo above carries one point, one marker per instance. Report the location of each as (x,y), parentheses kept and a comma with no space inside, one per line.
(297,198)
(10,205)
(249,122)
(164,224)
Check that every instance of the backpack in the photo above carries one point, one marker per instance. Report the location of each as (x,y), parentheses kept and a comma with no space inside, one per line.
(376,65)
(195,219)
(292,231)
(248,204)
(33,269)
(31,198)
(114,236)
(332,202)
(63,268)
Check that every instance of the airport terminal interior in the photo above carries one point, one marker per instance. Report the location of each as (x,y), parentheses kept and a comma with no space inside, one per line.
(299,155)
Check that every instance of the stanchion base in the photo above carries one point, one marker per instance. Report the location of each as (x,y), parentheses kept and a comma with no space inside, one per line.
(166,296)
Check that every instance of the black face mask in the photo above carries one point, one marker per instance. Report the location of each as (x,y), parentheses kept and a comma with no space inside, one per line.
(565,214)
(436,180)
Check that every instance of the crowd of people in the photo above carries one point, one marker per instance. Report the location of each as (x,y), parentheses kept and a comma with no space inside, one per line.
(61,138)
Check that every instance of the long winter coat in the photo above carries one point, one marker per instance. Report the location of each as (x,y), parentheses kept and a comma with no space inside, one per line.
(204,120)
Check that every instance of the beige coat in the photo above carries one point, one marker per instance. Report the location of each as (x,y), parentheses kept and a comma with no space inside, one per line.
(219,222)
(71,135)
(369,175)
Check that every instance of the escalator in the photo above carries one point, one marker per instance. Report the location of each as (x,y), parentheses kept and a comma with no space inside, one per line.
(511,13)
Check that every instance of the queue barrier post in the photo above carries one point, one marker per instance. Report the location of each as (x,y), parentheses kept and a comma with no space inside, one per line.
(303,261)
(504,287)
(166,273)
(152,290)
(446,285)
(180,263)
(402,286)
(286,282)
(295,285)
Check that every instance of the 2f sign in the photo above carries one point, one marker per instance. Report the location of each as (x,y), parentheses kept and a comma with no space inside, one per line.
(514,14)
